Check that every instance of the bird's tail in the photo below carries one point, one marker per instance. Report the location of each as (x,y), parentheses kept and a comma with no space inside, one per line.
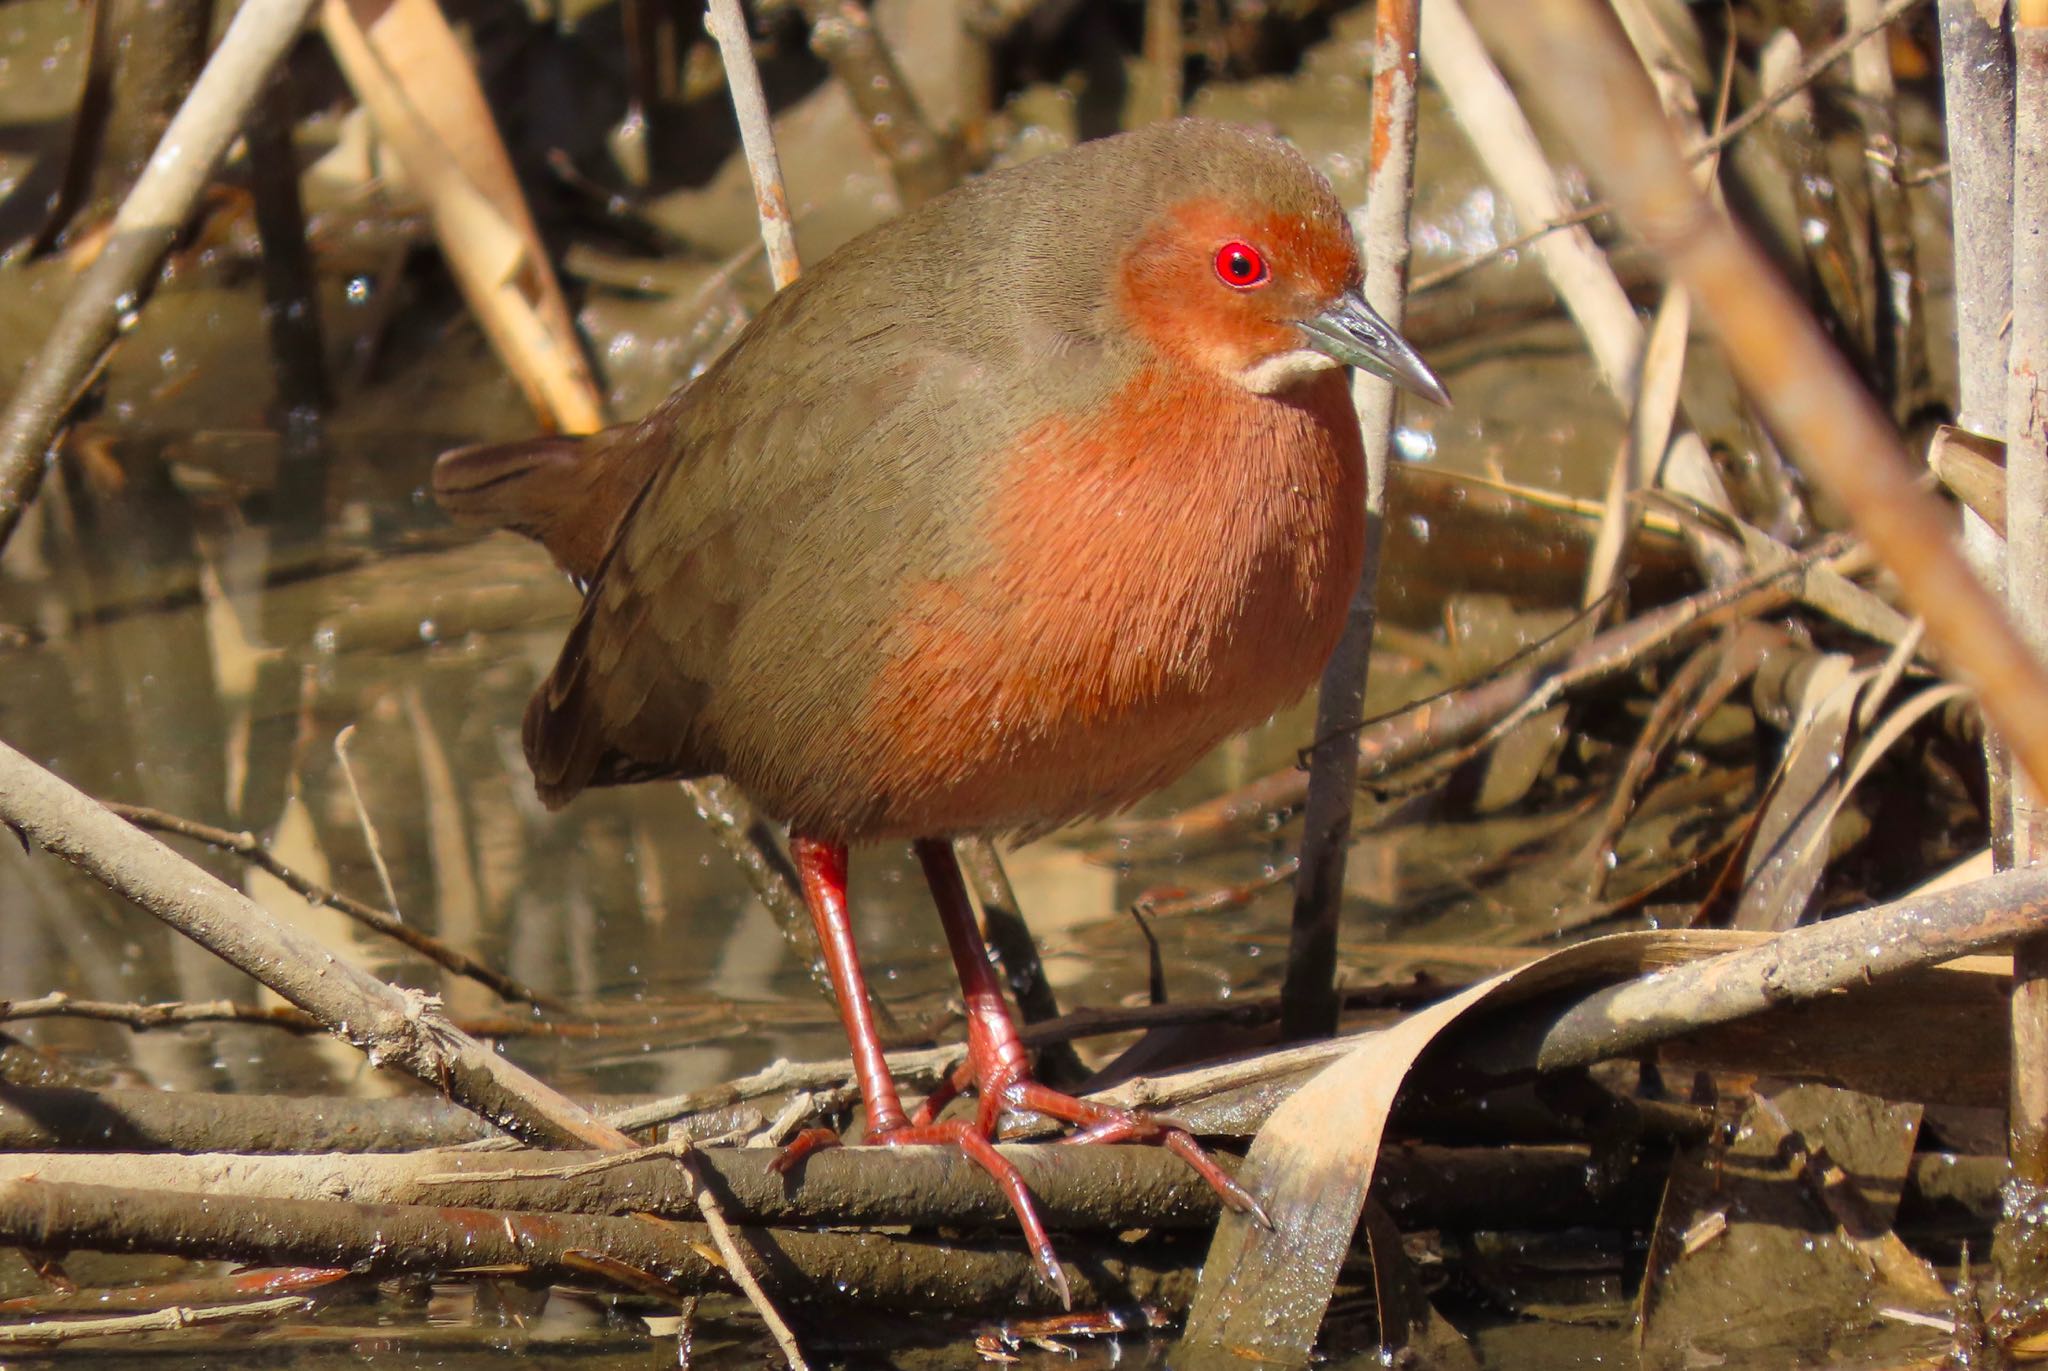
(567,494)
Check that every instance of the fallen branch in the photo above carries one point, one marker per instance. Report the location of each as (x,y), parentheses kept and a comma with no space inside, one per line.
(632,1253)
(1800,964)
(1077,1190)
(400,1028)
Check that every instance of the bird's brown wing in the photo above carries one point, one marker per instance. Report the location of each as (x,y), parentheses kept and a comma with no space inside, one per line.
(742,607)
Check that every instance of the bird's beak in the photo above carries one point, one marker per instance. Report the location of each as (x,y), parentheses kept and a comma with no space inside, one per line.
(1353,332)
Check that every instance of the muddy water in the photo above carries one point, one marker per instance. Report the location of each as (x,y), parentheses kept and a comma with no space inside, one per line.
(169,639)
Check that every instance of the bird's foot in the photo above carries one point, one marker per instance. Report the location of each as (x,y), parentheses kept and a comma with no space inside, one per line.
(1097,1123)
(1010,1090)
(968,1136)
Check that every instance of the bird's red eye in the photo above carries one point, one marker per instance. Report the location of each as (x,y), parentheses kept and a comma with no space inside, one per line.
(1239,265)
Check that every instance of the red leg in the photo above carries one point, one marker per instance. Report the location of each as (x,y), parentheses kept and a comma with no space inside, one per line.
(822,868)
(1000,1066)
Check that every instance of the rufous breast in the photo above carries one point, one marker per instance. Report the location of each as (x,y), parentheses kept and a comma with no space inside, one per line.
(1160,575)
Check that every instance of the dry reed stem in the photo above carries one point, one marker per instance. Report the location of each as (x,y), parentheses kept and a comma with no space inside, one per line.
(1713,144)
(1309,1002)
(1977,107)
(407,66)
(728,28)
(2026,550)
(1585,281)
(149,219)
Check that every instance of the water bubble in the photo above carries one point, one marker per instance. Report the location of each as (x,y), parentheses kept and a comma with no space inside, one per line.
(1414,444)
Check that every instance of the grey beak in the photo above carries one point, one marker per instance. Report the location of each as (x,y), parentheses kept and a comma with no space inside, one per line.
(1353,333)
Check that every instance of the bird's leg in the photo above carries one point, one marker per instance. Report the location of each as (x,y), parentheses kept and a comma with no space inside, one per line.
(821,867)
(1000,1067)
(822,870)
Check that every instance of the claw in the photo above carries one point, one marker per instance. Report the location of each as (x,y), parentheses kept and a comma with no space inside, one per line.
(801,1146)
(979,1150)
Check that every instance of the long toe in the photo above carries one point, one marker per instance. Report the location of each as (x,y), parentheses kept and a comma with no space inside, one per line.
(983,1154)
(1183,1145)
(803,1145)
(1102,1124)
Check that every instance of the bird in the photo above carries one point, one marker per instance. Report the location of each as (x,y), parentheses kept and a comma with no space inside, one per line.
(996,519)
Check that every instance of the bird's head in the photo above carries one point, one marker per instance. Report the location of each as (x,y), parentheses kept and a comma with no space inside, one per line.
(1245,264)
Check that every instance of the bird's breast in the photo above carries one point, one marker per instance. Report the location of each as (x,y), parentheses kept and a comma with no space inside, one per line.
(1158,574)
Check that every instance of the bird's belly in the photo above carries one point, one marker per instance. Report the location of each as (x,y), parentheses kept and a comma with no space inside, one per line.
(1059,748)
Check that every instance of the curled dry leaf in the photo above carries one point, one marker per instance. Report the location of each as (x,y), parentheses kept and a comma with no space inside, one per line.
(1264,1290)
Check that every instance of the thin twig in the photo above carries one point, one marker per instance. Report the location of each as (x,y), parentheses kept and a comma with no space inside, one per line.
(250,848)
(728,28)
(158,1321)
(58,1005)
(363,820)
(177,1013)
(148,222)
